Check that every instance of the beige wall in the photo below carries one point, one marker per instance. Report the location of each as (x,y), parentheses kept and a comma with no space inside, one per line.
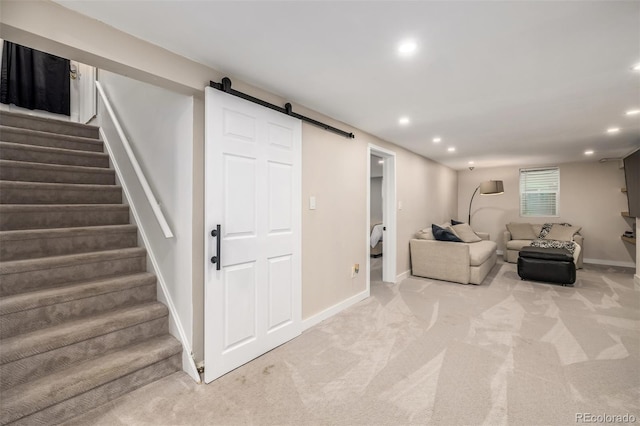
(333,170)
(590,197)
(427,191)
(637,277)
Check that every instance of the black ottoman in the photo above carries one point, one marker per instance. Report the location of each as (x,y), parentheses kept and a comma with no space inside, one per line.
(552,265)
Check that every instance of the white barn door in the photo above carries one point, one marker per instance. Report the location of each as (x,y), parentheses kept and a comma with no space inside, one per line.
(253,191)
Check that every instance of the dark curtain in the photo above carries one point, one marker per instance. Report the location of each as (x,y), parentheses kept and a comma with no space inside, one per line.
(34,80)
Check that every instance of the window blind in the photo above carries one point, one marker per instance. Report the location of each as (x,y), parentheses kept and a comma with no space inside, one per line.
(539,189)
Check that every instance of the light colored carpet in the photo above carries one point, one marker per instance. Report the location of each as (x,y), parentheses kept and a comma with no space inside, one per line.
(430,352)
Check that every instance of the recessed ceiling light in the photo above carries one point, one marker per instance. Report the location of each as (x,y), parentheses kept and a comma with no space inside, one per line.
(613,129)
(636,67)
(451,149)
(633,112)
(407,47)
(437,139)
(380,161)
(588,152)
(471,162)
(403,120)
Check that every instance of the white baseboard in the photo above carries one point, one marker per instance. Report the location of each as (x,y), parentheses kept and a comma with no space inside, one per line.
(610,262)
(403,275)
(331,311)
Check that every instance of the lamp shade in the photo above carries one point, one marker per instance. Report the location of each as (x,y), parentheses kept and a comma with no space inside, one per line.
(491,187)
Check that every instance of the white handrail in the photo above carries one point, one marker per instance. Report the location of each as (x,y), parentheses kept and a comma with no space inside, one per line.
(162,221)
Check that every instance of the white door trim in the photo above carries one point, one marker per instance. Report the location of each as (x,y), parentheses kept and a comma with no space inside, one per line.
(87,102)
(388,213)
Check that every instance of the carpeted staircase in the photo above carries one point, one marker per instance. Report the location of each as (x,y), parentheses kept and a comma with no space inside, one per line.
(79,321)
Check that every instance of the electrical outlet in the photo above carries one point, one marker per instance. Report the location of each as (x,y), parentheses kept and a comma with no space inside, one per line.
(355,269)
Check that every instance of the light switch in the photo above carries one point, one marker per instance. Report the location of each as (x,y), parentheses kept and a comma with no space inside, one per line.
(399,205)
(312,203)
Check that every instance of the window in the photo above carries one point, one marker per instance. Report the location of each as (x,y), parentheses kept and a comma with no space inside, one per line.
(539,189)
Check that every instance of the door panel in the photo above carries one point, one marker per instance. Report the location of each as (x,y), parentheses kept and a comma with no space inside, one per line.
(280,136)
(253,190)
(280,291)
(280,194)
(240,196)
(239,125)
(240,292)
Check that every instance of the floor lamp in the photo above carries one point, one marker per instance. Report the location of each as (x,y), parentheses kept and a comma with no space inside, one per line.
(489,187)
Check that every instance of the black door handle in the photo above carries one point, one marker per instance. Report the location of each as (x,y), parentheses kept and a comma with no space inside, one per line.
(216,259)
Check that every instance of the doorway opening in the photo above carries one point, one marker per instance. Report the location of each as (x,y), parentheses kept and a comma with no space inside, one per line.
(376,217)
(81,97)
(381,215)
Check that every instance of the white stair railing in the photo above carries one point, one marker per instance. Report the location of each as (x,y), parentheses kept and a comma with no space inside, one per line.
(155,206)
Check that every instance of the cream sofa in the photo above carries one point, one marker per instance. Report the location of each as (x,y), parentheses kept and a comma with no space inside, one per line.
(451,261)
(513,245)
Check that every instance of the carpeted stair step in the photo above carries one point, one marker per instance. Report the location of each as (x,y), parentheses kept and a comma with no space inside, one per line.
(55,173)
(22,313)
(43,154)
(35,243)
(80,323)
(31,368)
(21,276)
(58,193)
(53,140)
(26,121)
(26,216)
(38,353)
(64,394)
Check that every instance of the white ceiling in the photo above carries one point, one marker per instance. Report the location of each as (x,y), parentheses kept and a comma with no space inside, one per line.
(505,83)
